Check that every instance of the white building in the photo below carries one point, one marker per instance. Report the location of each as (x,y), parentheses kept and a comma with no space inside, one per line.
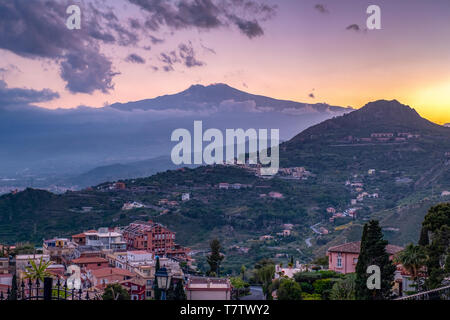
(185,197)
(105,238)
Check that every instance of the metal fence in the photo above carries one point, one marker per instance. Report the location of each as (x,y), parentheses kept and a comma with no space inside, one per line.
(442,293)
(34,290)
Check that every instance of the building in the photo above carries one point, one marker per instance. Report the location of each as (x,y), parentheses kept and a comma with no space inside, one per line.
(132,205)
(24,260)
(4,265)
(100,278)
(154,238)
(343,258)
(57,248)
(224,185)
(103,238)
(200,288)
(382,135)
(185,197)
(91,263)
(136,289)
(289,271)
(119,186)
(5,283)
(276,195)
(129,260)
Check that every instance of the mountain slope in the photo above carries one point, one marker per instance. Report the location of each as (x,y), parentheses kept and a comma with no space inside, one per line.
(201,97)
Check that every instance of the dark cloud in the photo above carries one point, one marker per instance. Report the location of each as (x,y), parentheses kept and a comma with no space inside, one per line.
(321,8)
(187,54)
(250,28)
(86,71)
(38,31)
(134,58)
(155,40)
(353,27)
(206,14)
(13,96)
(312,96)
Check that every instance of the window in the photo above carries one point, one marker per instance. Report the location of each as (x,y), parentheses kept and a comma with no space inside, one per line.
(339,260)
(355,260)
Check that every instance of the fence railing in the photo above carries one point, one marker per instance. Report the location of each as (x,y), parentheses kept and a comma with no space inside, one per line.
(442,293)
(34,290)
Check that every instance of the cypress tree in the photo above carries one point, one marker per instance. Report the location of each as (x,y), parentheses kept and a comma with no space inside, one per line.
(156,289)
(373,252)
(215,258)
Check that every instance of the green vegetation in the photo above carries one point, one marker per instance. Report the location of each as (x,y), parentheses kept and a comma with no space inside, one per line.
(435,239)
(215,258)
(344,289)
(37,271)
(115,292)
(373,252)
(413,259)
(289,290)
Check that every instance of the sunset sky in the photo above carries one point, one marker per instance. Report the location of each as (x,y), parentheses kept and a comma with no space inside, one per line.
(302,50)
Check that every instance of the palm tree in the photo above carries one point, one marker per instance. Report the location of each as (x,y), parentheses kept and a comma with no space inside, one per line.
(38,271)
(412,258)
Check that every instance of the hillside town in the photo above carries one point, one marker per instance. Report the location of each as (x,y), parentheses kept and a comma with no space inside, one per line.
(133,256)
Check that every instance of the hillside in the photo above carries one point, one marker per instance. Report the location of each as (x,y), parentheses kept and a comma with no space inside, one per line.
(393,178)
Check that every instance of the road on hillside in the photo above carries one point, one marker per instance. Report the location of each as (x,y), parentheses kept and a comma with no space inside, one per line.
(256,293)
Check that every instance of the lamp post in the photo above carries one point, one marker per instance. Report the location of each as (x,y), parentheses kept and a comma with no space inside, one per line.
(163,281)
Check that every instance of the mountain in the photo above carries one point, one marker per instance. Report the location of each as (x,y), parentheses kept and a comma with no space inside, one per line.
(375,117)
(383,135)
(46,143)
(120,171)
(219,96)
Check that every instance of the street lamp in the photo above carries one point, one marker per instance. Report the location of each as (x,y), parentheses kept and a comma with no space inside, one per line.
(163,281)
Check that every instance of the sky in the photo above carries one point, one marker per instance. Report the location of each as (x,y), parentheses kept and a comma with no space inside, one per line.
(303,50)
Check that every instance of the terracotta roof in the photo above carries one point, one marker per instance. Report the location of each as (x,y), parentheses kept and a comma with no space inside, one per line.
(90,260)
(80,235)
(354,247)
(104,272)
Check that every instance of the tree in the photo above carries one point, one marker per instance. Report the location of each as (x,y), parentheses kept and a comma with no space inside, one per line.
(115,292)
(215,258)
(37,271)
(438,263)
(155,287)
(243,269)
(176,293)
(435,238)
(413,258)
(13,293)
(289,290)
(344,289)
(321,261)
(238,284)
(265,275)
(373,252)
(323,287)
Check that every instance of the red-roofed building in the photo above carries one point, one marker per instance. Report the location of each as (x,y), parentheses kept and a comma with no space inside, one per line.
(136,290)
(100,278)
(343,258)
(91,263)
